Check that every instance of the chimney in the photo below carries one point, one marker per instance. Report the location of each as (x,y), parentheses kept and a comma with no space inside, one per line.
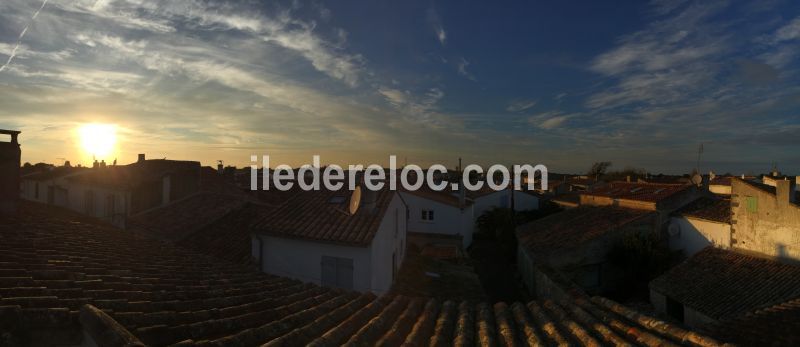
(369,199)
(628,178)
(141,158)
(784,191)
(95,164)
(9,173)
(220,167)
(103,164)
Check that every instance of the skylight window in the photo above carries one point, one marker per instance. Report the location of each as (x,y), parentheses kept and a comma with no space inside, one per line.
(634,190)
(337,199)
(659,190)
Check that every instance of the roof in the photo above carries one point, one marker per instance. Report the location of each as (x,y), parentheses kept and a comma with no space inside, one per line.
(721,283)
(772,325)
(186,216)
(323,215)
(651,192)
(715,210)
(573,227)
(124,176)
(61,275)
(229,236)
(53,173)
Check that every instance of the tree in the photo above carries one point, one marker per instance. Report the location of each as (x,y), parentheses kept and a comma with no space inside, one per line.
(598,169)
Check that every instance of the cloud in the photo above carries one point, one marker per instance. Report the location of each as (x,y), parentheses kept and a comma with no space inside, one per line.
(462,69)
(436,24)
(520,105)
(13,51)
(549,120)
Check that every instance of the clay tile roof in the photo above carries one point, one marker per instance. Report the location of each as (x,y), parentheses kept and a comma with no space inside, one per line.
(63,278)
(721,283)
(712,209)
(572,227)
(323,215)
(772,325)
(53,173)
(651,192)
(186,216)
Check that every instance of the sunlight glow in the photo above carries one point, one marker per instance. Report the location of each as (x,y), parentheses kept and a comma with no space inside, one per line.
(98,140)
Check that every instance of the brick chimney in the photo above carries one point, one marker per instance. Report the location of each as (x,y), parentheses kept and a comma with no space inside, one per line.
(784,191)
(9,173)
(141,158)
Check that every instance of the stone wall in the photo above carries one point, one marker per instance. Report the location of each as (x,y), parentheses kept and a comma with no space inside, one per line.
(762,223)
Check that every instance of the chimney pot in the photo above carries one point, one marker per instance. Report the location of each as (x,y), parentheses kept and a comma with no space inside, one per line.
(785,191)
(141,157)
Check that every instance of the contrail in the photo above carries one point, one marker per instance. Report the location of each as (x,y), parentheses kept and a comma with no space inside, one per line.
(21,35)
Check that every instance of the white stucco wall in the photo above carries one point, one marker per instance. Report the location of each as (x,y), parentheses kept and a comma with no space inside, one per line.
(372,265)
(524,201)
(693,234)
(500,198)
(448,219)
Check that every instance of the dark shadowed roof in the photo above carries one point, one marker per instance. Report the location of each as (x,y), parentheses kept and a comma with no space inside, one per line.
(721,283)
(61,274)
(323,215)
(125,176)
(650,192)
(721,181)
(186,216)
(712,209)
(774,325)
(573,227)
(229,237)
(50,173)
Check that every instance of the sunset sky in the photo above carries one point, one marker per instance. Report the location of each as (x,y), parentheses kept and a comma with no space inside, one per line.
(560,83)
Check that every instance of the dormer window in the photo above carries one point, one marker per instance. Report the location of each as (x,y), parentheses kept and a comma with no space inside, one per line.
(427,215)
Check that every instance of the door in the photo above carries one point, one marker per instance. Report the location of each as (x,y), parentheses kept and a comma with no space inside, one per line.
(337,272)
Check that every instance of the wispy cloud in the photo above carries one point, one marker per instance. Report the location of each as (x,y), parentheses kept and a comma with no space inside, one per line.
(462,69)
(13,52)
(436,24)
(549,120)
(520,105)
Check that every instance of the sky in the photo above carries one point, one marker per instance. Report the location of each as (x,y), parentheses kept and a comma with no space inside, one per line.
(560,83)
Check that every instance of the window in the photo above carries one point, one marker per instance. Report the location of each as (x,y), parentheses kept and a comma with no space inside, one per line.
(752,204)
(337,199)
(337,272)
(427,215)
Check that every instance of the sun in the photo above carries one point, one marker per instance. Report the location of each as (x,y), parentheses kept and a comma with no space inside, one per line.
(98,140)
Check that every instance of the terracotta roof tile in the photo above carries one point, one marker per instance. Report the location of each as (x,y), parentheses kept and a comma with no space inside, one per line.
(651,192)
(772,325)
(130,289)
(713,209)
(323,215)
(572,227)
(721,283)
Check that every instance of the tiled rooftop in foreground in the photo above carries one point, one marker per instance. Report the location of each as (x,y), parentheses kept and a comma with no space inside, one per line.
(61,275)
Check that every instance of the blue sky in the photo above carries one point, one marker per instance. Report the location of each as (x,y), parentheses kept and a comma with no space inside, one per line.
(559,83)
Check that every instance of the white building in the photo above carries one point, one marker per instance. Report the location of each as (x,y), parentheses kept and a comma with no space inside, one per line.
(335,238)
(436,217)
(113,193)
(705,222)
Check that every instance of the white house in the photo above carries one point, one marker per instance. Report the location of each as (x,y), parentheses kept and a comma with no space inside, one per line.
(704,222)
(439,216)
(525,200)
(112,193)
(335,238)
